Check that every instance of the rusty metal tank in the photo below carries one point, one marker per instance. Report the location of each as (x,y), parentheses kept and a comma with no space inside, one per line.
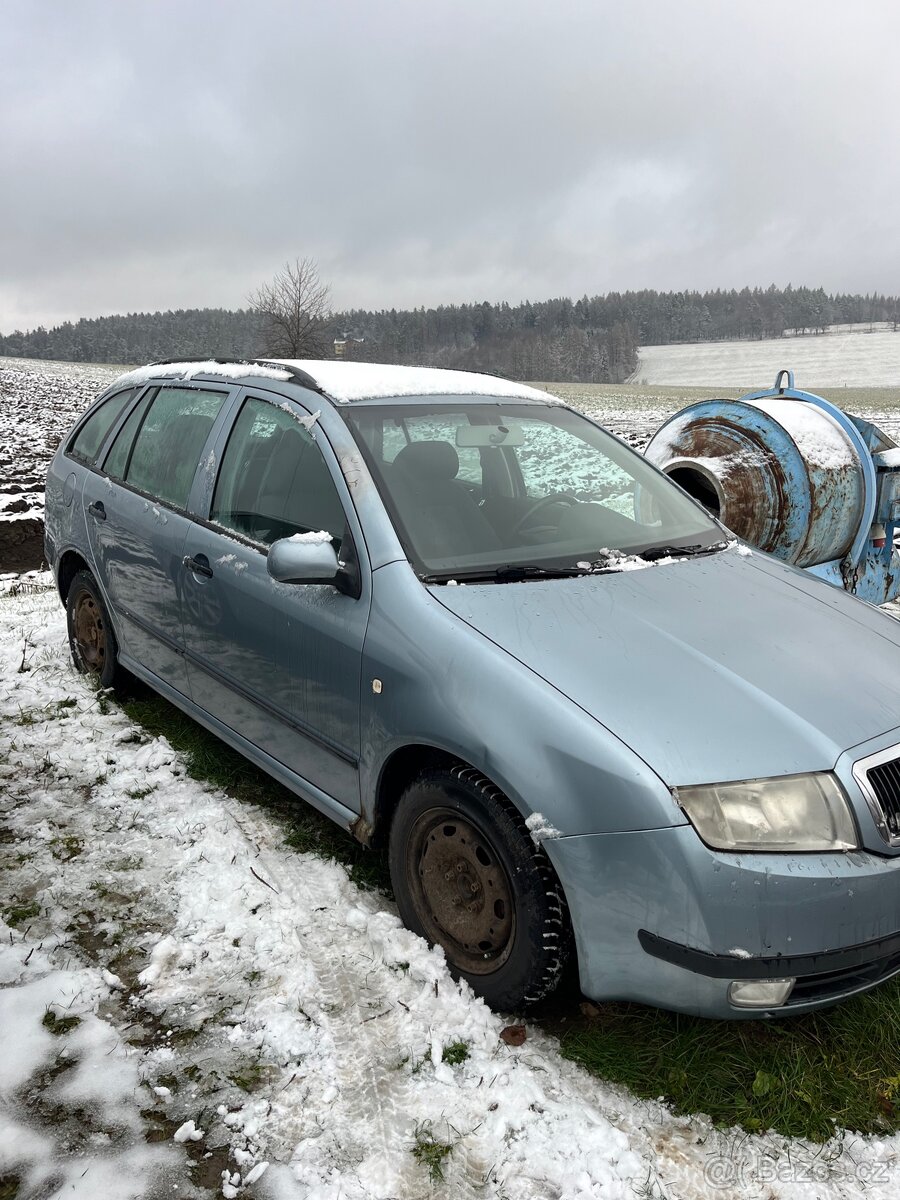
(787,476)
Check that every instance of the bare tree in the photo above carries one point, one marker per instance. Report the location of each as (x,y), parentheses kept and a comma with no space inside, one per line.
(295,311)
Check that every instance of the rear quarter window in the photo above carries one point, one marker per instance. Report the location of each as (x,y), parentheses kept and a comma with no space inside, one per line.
(167,449)
(86,443)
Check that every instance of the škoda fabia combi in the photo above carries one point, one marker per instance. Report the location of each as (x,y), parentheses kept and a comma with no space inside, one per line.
(473,627)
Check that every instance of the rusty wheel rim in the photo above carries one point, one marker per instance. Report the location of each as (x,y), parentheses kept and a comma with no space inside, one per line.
(461,891)
(90,633)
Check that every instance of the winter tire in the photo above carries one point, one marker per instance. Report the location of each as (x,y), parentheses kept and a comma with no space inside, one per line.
(468,877)
(91,637)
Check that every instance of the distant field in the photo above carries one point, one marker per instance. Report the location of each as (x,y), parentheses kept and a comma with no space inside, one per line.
(634,411)
(39,400)
(851,356)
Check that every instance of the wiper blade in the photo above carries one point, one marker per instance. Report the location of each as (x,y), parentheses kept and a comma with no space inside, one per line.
(510,574)
(654,552)
(609,562)
(530,571)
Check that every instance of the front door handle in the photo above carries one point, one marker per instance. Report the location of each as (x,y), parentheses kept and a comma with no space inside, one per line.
(199,565)
(97,510)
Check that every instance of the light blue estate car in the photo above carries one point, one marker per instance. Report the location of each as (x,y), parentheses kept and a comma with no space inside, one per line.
(470,625)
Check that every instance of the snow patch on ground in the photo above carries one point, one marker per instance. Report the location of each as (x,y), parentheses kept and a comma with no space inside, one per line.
(270,1003)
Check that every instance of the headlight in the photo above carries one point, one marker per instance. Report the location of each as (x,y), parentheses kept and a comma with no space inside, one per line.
(794,812)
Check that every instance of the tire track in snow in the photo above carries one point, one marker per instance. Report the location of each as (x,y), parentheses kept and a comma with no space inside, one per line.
(375,1101)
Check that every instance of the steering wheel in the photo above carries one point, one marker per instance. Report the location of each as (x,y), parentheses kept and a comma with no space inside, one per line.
(541,503)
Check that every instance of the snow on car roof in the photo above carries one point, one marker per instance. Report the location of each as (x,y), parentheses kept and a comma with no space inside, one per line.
(210,366)
(347,381)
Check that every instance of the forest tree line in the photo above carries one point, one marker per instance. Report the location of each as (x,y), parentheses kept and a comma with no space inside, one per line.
(591,340)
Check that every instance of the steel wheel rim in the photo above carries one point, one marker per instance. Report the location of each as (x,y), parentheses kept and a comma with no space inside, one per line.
(90,633)
(461,891)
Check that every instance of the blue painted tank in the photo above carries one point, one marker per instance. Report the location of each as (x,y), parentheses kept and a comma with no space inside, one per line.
(794,475)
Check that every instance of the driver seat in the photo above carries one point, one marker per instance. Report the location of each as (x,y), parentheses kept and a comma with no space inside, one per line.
(441,515)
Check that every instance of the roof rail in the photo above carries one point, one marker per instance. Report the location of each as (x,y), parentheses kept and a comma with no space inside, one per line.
(300,376)
(298,373)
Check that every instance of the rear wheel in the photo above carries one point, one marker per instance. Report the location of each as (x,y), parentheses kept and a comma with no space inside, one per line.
(91,638)
(468,877)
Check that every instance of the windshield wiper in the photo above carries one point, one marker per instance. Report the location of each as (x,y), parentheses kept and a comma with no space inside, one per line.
(654,552)
(609,563)
(508,574)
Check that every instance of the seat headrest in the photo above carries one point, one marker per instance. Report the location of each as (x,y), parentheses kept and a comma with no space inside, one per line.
(428,460)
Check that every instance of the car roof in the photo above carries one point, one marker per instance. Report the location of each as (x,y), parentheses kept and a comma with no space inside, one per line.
(345,382)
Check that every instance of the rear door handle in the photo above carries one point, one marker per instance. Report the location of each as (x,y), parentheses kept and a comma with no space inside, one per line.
(97,510)
(199,565)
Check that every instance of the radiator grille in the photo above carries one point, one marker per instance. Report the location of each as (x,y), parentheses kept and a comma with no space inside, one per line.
(884,783)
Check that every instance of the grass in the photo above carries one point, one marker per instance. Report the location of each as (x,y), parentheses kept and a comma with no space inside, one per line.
(65,848)
(252,1077)
(455,1053)
(59,1025)
(799,1077)
(17,914)
(428,1151)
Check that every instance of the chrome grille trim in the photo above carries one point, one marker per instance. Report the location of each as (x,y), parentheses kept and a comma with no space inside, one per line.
(883,819)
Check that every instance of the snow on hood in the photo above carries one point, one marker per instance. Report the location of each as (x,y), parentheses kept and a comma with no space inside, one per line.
(346,381)
(716,668)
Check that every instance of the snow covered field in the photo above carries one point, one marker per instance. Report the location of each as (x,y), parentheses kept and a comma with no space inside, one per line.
(844,356)
(40,400)
(184,1000)
(38,403)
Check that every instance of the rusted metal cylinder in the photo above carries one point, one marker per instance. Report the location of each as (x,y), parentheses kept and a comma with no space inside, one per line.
(781,473)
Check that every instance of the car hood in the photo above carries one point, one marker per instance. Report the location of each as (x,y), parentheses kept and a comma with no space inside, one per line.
(711,669)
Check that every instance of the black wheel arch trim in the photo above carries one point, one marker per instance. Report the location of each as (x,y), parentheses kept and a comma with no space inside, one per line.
(776,966)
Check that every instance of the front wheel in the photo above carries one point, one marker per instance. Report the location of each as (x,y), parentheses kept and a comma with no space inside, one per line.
(91,637)
(468,877)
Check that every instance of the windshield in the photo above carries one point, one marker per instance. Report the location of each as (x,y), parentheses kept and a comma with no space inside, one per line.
(478,488)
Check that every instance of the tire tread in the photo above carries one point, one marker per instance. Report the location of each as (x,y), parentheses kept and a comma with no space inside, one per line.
(553,941)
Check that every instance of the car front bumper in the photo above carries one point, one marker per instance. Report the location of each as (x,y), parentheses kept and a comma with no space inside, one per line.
(662,919)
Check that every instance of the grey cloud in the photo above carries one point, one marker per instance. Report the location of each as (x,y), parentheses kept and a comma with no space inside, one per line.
(162,154)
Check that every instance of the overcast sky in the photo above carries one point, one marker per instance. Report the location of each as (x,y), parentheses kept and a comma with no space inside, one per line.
(173,153)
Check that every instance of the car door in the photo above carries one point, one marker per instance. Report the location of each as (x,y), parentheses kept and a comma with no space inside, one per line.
(137,520)
(279,664)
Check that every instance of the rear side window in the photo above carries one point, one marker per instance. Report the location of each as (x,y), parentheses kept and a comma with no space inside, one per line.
(274,482)
(89,438)
(168,445)
(117,460)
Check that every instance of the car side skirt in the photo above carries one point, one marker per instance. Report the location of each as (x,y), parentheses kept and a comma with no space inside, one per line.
(320,800)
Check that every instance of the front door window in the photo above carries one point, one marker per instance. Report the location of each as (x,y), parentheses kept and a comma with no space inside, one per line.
(274,481)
